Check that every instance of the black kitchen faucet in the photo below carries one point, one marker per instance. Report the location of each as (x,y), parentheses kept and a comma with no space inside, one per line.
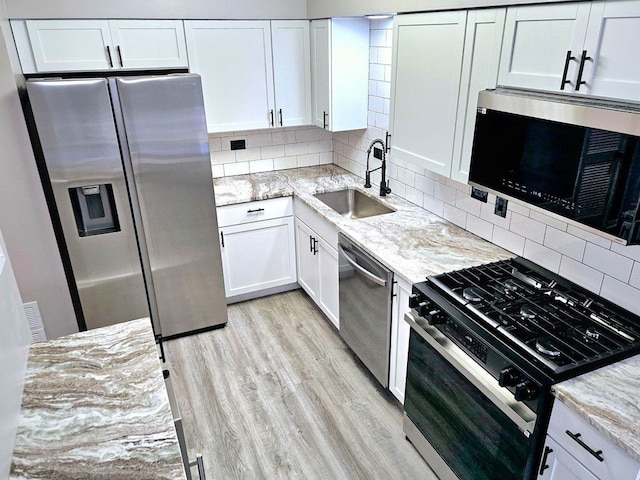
(384,187)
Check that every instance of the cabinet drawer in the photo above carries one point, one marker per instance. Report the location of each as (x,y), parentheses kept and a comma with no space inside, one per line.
(327,230)
(615,464)
(255,211)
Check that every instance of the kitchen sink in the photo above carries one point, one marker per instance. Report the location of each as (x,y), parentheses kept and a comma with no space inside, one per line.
(353,204)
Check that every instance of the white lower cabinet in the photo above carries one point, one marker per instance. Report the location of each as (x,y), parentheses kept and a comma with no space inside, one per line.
(574,450)
(258,248)
(318,260)
(399,339)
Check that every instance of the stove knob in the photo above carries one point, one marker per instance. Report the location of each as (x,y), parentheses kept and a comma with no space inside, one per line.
(526,390)
(509,377)
(435,317)
(414,300)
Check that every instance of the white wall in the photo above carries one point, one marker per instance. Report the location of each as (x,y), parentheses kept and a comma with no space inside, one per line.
(15,339)
(191,9)
(24,218)
(594,262)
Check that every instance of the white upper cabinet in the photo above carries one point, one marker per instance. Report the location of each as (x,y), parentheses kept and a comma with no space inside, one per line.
(247,84)
(579,48)
(90,45)
(340,73)
(290,42)
(234,60)
(612,38)
(440,62)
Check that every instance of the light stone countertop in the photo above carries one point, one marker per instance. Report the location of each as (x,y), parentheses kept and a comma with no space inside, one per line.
(411,241)
(95,406)
(607,399)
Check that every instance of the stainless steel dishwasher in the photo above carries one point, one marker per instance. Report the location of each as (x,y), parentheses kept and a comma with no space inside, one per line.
(365,292)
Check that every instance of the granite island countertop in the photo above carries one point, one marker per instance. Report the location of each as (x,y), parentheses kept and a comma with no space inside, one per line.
(607,400)
(95,406)
(411,241)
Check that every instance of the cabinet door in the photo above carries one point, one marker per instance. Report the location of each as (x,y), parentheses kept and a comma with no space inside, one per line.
(537,40)
(307,260)
(559,465)
(612,35)
(399,340)
(149,43)
(483,38)
(70,45)
(321,72)
(290,42)
(328,281)
(258,255)
(234,60)
(426,71)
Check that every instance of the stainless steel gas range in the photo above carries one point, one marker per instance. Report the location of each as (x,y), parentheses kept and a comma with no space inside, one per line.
(486,345)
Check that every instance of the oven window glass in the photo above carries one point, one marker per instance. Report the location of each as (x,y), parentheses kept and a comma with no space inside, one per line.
(469,432)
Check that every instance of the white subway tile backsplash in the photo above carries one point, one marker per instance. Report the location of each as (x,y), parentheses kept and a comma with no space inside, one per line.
(231,169)
(283,137)
(424,184)
(468,204)
(319,146)
(273,151)
(447,211)
(444,193)
(215,144)
(487,212)
(479,227)
(413,195)
(527,227)
(436,206)
(588,236)
(248,155)
(376,104)
(406,176)
(314,134)
(225,142)
(384,55)
(378,38)
(259,140)
(217,171)
(308,160)
(218,158)
(565,243)
(546,219)
(542,255)
(620,293)
(326,158)
(382,121)
(257,166)
(282,163)
(376,72)
(383,89)
(578,272)
(635,275)
(629,251)
(508,240)
(296,149)
(608,262)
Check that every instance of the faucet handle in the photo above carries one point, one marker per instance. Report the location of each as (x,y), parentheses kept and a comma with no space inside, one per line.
(384,188)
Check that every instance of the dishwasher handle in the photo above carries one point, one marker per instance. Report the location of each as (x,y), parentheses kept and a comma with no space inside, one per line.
(374,278)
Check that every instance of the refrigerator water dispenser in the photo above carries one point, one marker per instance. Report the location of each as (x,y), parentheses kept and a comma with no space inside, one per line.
(94,209)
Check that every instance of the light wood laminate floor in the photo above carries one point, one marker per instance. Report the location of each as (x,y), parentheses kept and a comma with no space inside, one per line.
(277,394)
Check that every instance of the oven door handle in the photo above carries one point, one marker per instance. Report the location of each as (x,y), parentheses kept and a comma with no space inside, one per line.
(517,412)
(374,278)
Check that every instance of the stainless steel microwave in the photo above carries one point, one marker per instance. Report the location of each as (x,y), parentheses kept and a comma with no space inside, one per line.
(575,158)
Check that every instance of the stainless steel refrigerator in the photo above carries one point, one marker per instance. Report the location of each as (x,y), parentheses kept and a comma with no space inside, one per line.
(127,160)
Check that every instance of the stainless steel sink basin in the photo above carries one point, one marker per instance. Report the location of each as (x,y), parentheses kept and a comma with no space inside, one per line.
(353,204)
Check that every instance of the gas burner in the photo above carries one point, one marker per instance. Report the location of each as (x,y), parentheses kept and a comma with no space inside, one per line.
(543,345)
(474,294)
(511,285)
(528,312)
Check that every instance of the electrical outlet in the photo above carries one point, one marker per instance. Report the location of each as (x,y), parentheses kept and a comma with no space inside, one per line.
(377,153)
(479,194)
(501,207)
(238,144)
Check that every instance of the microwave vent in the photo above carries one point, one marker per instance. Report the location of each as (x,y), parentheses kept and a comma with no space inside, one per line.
(602,141)
(594,189)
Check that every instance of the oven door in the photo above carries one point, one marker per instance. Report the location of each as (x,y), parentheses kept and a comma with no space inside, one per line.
(457,416)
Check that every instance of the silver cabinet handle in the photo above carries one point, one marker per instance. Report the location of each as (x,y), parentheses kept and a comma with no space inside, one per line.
(374,278)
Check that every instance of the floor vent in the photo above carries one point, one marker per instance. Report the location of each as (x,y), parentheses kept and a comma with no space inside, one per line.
(35,321)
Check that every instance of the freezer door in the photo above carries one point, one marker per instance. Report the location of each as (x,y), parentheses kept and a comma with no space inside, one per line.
(74,121)
(169,150)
